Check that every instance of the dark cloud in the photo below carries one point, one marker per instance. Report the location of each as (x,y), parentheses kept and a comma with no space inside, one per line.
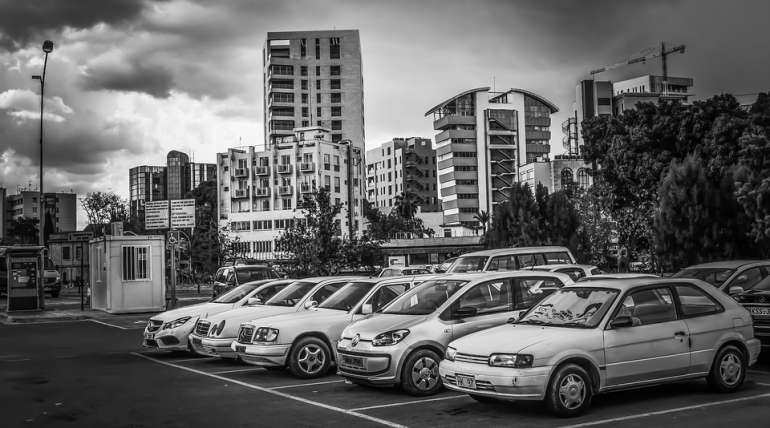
(154,80)
(26,20)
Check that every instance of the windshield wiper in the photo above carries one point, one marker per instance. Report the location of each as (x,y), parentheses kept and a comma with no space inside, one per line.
(574,324)
(533,322)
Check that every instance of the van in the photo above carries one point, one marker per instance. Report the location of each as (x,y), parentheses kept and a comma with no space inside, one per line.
(504,259)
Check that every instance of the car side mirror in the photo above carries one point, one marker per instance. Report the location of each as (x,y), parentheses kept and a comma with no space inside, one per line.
(621,322)
(310,304)
(736,289)
(366,309)
(464,312)
(516,317)
(253,301)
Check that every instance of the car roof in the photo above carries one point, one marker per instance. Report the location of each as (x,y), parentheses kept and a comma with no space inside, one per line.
(400,279)
(629,283)
(726,264)
(514,250)
(474,276)
(318,279)
(250,267)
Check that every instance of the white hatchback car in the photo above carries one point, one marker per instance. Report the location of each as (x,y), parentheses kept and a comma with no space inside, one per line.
(213,335)
(607,335)
(304,342)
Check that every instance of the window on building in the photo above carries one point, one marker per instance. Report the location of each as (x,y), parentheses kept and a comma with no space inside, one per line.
(337,184)
(263,246)
(318,87)
(318,98)
(335,84)
(327,182)
(136,263)
(65,252)
(334,48)
(336,163)
(303,50)
(583,180)
(566,177)
(305,112)
(262,224)
(336,138)
(327,161)
(318,112)
(317,48)
(335,70)
(286,203)
(336,97)
(336,125)
(303,70)
(305,123)
(303,84)
(304,98)
(336,110)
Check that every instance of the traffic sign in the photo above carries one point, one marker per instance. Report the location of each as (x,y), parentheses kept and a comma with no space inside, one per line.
(156,215)
(182,213)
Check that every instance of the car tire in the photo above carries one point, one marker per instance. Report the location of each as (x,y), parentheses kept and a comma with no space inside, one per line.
(309,358)
(569,391)
(728,371)
(419,376)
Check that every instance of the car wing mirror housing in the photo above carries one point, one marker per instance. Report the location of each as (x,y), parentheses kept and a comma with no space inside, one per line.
(366,309)
(253,301)
(622,321)
(736,289)
(310,304)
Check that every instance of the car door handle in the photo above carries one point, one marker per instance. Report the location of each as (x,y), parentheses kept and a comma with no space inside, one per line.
(680,333)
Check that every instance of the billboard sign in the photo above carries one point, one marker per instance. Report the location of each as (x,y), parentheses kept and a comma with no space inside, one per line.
(183,213)
(156,215)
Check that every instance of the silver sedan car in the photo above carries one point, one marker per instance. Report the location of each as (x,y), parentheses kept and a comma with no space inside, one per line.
(603,336)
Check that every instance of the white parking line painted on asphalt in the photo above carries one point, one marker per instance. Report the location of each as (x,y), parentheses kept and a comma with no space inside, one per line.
(761,384)
(277,393)
(406,403)
(308,384)
(667,411)
(110,325)
(238,370)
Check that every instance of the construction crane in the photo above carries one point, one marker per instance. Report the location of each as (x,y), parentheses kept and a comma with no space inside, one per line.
(663,53)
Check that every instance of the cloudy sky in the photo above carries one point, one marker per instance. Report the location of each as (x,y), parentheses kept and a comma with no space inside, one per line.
(130,80)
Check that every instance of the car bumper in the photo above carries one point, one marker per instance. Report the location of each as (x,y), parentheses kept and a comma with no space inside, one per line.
(375,366)
(498,382)
(755,347)
(174,339)
(262,355)
(211,347)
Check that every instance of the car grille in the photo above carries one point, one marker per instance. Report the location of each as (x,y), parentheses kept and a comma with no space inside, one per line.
(202,328)
(470,358)
(245,334)
(481,385)
(154,325)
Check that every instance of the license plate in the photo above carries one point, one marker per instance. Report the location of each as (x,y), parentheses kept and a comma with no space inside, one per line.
(149,336)
(759,310)
(197,341)
(353,362)
(465,381)
(240,348)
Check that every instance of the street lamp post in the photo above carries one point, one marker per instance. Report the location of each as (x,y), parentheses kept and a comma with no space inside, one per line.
(47,48)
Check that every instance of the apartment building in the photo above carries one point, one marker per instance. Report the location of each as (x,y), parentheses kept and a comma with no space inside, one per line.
(402,166)
(260,191)
(557,174)
(480,146)
(61,207)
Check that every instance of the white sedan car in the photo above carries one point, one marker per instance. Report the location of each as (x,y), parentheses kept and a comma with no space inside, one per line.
(575,271)
(169,330)
(304,342)
(213,335)
(596,337)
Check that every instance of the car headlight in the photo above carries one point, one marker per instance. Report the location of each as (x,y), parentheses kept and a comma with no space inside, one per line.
(390,337)
(266,334)
(176,323)
(517,361)
(450,353)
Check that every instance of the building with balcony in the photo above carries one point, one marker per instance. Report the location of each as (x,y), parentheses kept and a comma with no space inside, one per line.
(402,166)
(483,137)
(61,208)
(260,191)
(559,173)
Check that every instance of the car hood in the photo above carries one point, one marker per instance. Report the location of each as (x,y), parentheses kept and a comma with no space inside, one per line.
(199,310)
(380,323)
(234,318)
(514,338)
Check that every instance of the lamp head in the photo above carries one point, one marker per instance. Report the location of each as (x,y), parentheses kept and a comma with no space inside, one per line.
(47,46)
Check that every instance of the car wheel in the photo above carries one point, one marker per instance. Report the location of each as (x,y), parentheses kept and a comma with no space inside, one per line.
(310,358)
(420,373)
(569,391)
(728,370)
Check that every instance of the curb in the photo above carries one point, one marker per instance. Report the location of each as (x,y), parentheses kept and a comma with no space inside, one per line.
(14,319)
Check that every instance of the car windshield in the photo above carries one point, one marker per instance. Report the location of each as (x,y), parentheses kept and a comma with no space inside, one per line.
(714,276)
(763,285)
(347,296)
(425,298)
(292,294)
(571,307)
(236,294)
(469,264)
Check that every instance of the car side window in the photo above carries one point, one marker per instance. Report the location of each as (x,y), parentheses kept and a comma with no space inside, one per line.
(649,306)
(529,291)
(573,273)
(695,302)
(269,291)
(502,263)
(747,279)
(385,295)
(526,261)
(327,290)
(487,298)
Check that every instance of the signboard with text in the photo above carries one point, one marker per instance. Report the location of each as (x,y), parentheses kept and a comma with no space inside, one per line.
(156,215)
(183,213)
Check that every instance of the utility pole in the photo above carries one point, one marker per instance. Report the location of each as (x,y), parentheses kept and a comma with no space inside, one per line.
(47,48)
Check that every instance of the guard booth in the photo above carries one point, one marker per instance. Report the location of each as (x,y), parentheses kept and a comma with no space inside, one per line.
(127,273)
(21,277)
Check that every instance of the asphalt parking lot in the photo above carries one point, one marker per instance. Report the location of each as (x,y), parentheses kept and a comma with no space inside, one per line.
(93,373)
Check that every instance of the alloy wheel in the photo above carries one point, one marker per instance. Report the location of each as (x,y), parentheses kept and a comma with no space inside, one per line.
(311,359)
(572,391)
(730,369)
(425,373)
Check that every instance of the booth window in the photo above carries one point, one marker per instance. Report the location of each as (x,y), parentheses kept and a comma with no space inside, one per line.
(135,263)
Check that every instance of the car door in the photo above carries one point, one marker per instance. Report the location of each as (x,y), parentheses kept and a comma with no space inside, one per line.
(656,346)
(706,321)
(482,306)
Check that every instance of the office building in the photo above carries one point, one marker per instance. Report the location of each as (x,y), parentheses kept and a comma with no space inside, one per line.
(173,181)
(260,191)
(61,207)
(402,166)
(480,146)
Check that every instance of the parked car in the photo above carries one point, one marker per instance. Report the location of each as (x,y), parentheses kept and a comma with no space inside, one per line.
(575,271)
(214,334)
(402,271)
(729,273)
(592,338)
(445,265)
(229,277)
(51,278)
(405,341)
(511,259)
(170,330)
(756,300)
(616,275)
(304,342)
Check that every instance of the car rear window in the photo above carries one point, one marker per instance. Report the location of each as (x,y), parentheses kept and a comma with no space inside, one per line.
(254,274)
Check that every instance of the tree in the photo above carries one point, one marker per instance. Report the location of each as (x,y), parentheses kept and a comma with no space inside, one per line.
(47,227)
(23,231)
(483,218)
(401,221)
(597,230)
(103,208)
(209,245)
(516,222)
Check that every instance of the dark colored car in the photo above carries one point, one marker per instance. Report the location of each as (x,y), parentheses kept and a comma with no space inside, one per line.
(757,301)
(229,277)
